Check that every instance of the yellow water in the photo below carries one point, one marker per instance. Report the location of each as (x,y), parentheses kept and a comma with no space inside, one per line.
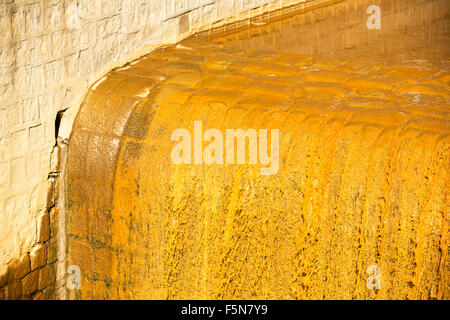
(364,129)
(413,32)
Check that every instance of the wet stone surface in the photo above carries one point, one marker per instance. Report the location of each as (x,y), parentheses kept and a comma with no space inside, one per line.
(362,180)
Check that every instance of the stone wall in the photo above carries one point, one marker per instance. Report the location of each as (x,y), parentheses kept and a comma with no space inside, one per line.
(51,52)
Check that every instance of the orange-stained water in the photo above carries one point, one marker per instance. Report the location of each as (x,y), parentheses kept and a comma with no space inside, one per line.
(413,32)
(363,181)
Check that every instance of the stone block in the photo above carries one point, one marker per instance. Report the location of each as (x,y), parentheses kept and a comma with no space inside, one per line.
(33,18)
(38,256)
(45,165)
(88,8)
(19,141)
(72,14)
(46,276)
(52,252)
(30,283)
(184,24)
(18,22)
(43,47)
(53,73)
(14,290)
(53,17)
(71,65)
(33,165)
(18,171)
(53,221)
(35,80)
(85,61)
(36,136)
(46,196)
(13,118)
(26,52)
(88,35)
(30,110)
(20,267)
(59,42)
(45,106)
(44,227)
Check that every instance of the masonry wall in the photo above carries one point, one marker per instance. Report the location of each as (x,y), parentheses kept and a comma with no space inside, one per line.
(51,51)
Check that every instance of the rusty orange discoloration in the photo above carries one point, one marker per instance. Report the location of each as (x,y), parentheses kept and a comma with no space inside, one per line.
(363,179)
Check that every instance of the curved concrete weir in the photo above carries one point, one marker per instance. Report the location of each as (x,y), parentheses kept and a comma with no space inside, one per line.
(363,177)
